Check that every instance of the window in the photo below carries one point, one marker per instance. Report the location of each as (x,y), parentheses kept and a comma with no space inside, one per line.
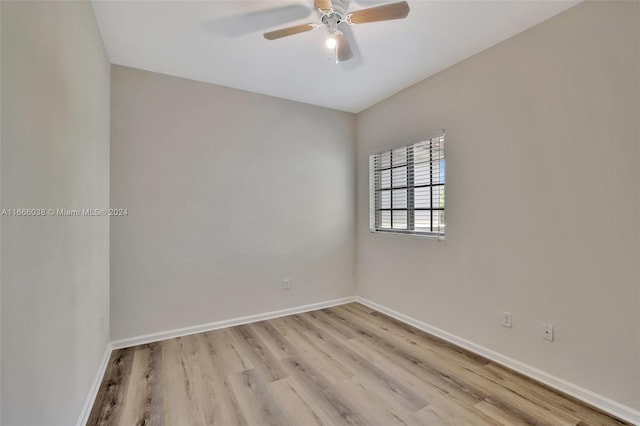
(406,187)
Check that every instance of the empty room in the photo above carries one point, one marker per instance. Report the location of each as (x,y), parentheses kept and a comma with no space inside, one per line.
(319,212)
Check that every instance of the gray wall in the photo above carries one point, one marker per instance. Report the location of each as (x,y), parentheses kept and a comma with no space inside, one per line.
(228,193)
(542,199)
(55,153)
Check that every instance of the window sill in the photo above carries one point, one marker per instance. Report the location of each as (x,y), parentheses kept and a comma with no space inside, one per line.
(439,237)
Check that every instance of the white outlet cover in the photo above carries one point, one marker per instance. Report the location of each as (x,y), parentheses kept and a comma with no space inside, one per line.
(507,319)
(547,333)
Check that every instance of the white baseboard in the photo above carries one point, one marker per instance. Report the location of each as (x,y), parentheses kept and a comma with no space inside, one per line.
(95,386)
(180,332)
(615,408)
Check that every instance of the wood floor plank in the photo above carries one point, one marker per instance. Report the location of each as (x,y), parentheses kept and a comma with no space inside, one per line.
(305,349)
(234,355)
(451,411)
(544,396)
(427,416)
(369,404)
(406,373)
(498,416)
(107,407)
(335,405)
(415,359)
(401,332)
(360,307)
(515,403)
(345,365)
(265,334)
(203,384)
(296,404)
(462,372)
(331,324)
(392,392)
(137,404)
(230,411)
(180,406)
(156,386)
(259,354)
(433,384)
(256,402)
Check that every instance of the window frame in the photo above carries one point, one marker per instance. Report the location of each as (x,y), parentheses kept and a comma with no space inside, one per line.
(374,203)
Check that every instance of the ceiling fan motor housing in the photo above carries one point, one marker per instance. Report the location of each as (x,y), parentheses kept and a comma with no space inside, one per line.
(339,8)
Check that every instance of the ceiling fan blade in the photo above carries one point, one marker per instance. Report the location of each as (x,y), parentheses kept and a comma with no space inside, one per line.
(356,61)
(386,12)
(285,32)
(324,6)
(343,49)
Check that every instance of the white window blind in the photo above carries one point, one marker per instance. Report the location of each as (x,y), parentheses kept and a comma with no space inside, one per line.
(406,187)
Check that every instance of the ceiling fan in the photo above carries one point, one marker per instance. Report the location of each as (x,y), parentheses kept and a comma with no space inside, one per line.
(332,13)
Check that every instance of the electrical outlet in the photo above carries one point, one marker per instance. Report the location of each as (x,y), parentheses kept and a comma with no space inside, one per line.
(547,332)
(506,319)
(286,285)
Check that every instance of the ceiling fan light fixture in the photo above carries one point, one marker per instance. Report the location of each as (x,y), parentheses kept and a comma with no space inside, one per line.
(331,41)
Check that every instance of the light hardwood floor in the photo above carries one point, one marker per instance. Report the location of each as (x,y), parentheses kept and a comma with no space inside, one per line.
(347,365)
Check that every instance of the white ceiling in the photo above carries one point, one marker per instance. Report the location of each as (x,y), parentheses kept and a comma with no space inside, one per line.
(221,42)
